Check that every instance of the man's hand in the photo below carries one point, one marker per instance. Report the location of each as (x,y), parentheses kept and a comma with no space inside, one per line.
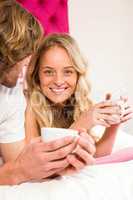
(81,156)
(40,160)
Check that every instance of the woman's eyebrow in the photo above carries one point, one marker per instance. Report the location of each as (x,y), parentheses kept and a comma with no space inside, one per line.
(69,67)
(46,67)
(49,67)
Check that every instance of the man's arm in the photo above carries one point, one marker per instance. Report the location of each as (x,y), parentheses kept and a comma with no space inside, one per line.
(10,151)
(9,174)
(37,160)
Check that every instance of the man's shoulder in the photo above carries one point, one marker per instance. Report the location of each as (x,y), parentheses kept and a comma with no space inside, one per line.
(11,93)
(11,99)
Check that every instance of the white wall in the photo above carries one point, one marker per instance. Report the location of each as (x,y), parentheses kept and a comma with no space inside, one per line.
(104,31)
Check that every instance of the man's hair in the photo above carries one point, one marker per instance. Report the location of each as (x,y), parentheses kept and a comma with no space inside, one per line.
(20,33)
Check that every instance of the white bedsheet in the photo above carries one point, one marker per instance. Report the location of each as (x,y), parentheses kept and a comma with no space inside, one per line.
(101,182)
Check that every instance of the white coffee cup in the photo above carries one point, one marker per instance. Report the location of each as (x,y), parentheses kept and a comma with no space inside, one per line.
(49,134)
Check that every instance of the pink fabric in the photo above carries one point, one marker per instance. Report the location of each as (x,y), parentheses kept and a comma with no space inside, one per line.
(53,14)
(120,156)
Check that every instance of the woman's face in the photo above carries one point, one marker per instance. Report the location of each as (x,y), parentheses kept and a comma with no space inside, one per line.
(57,75)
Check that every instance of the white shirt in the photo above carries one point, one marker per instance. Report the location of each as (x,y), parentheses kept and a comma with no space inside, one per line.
(12,111)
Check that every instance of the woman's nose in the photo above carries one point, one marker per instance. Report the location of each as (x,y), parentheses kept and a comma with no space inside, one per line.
(59,79)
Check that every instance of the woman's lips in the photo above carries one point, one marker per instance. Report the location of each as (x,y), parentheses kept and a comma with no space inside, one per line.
(58,90)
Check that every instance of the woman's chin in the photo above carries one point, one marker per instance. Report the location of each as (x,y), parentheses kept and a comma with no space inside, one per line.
(58,102)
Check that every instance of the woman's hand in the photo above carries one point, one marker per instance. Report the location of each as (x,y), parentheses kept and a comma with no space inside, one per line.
(105,113)
(125,107)
(128,114)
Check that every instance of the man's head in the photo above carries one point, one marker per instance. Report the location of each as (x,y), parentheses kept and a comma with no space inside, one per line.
(20,35)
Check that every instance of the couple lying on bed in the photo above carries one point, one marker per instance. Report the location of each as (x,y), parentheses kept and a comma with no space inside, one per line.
(59,96)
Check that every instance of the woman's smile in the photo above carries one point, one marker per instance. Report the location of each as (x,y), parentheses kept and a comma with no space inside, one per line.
(59,90)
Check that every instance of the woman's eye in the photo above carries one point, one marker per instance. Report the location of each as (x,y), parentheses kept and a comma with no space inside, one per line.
(68,72)
(48,72)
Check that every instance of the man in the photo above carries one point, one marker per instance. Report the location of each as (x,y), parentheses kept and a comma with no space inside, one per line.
(20,34)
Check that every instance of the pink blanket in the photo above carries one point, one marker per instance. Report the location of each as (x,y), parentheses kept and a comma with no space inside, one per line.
(119,156)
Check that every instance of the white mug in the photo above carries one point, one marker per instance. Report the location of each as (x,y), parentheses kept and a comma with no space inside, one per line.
(49,134)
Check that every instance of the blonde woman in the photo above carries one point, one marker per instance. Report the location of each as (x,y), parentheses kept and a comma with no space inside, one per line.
(59,94)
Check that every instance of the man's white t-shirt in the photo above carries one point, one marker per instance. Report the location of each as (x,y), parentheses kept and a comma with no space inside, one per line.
(12,114)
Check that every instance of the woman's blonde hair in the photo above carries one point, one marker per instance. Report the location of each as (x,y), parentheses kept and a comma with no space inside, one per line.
(20,33)
(38,102)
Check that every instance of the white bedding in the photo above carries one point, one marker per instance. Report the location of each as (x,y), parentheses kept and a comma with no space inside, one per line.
(101,182)
(105,182)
